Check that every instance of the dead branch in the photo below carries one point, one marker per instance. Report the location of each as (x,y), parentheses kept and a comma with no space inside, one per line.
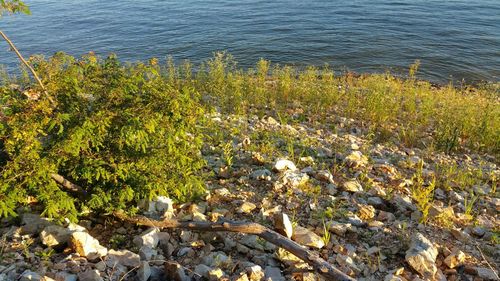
(13,47)
(328,271)
(68,185)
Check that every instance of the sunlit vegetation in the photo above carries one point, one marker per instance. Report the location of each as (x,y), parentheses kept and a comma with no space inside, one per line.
(126,132)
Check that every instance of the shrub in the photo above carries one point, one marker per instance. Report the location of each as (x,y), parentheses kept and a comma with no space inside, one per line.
(123,133)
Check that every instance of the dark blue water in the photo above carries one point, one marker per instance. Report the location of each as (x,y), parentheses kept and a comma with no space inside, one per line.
(453,39)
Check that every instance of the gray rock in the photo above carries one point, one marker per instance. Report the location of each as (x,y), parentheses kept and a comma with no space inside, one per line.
(262,174)
(144,272)
(273,274)
(352,186)
(306,237)
(87,246)
(148,238)
(356,159)
(246,208)
(283,225)
(283,165)
(486,273)
(295,179)
(175,272)
(164,204)
(146,253)
(66,276)
(215,274)
(325,176)
(255,242)
(202,270)
(54,235)
(375,201)
(33,224)
(331,189)
(89,275)
(422,256)
(478,231)
(215,259)
(30,276)
(338,228)
(123,257)
(255,273)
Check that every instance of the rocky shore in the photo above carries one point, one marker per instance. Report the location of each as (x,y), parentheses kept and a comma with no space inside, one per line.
(376,211)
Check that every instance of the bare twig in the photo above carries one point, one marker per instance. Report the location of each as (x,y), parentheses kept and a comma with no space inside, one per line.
(68,185)
(328,271)
(487,262)
(13,47)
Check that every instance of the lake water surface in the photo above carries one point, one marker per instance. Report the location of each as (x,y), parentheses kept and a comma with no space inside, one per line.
(457,39)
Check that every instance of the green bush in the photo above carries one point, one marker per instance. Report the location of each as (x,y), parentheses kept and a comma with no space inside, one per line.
(123,133)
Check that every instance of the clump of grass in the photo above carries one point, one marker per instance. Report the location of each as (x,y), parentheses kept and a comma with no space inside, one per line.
(422,193)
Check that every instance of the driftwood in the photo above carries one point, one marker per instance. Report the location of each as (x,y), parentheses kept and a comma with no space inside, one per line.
(328,271)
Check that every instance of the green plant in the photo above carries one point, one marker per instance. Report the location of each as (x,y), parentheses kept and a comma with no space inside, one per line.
(326,233)
(13,7)
(227,150)
(123,133)
(46,254)
(422,193)
(469,202)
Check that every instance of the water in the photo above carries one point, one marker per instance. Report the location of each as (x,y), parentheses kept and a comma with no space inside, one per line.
(457,39)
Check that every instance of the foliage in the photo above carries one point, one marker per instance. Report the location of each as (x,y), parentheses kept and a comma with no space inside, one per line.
(123,133)
(422,193)
(13,7)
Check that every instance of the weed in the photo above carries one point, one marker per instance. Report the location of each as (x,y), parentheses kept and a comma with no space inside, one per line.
(421,193)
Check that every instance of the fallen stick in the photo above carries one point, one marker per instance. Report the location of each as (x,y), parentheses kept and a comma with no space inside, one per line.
(68,185)
(328,271)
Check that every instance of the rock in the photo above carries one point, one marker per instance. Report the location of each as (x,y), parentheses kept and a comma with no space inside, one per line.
(331,189)
(356,159)
(262,174)
(486,273)
(352,186)
(295,179)
(306,237)
(255,242)
(255,273)
(366,212)
(175,272)
(164,205)
(283,165)
(87,246)
(355,220)
(283,225)
(101,266)
(347,262)
(215,274)
(461,235)
(325,176)
(65,276)
(273,274)
(478,231)
(375,201)
(386,216)
(270,120)
(30,276)
(146,253)
(215,259)
(202,270)
(144,272)
(454,259)
(246,208)
(242,276)
(124,257)
(422,256)
(33,223)
(338,228)
(403,203)
(54,235)
(148,238)
(89,275)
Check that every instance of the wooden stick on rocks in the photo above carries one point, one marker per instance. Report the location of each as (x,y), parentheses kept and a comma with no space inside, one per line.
(328,271)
